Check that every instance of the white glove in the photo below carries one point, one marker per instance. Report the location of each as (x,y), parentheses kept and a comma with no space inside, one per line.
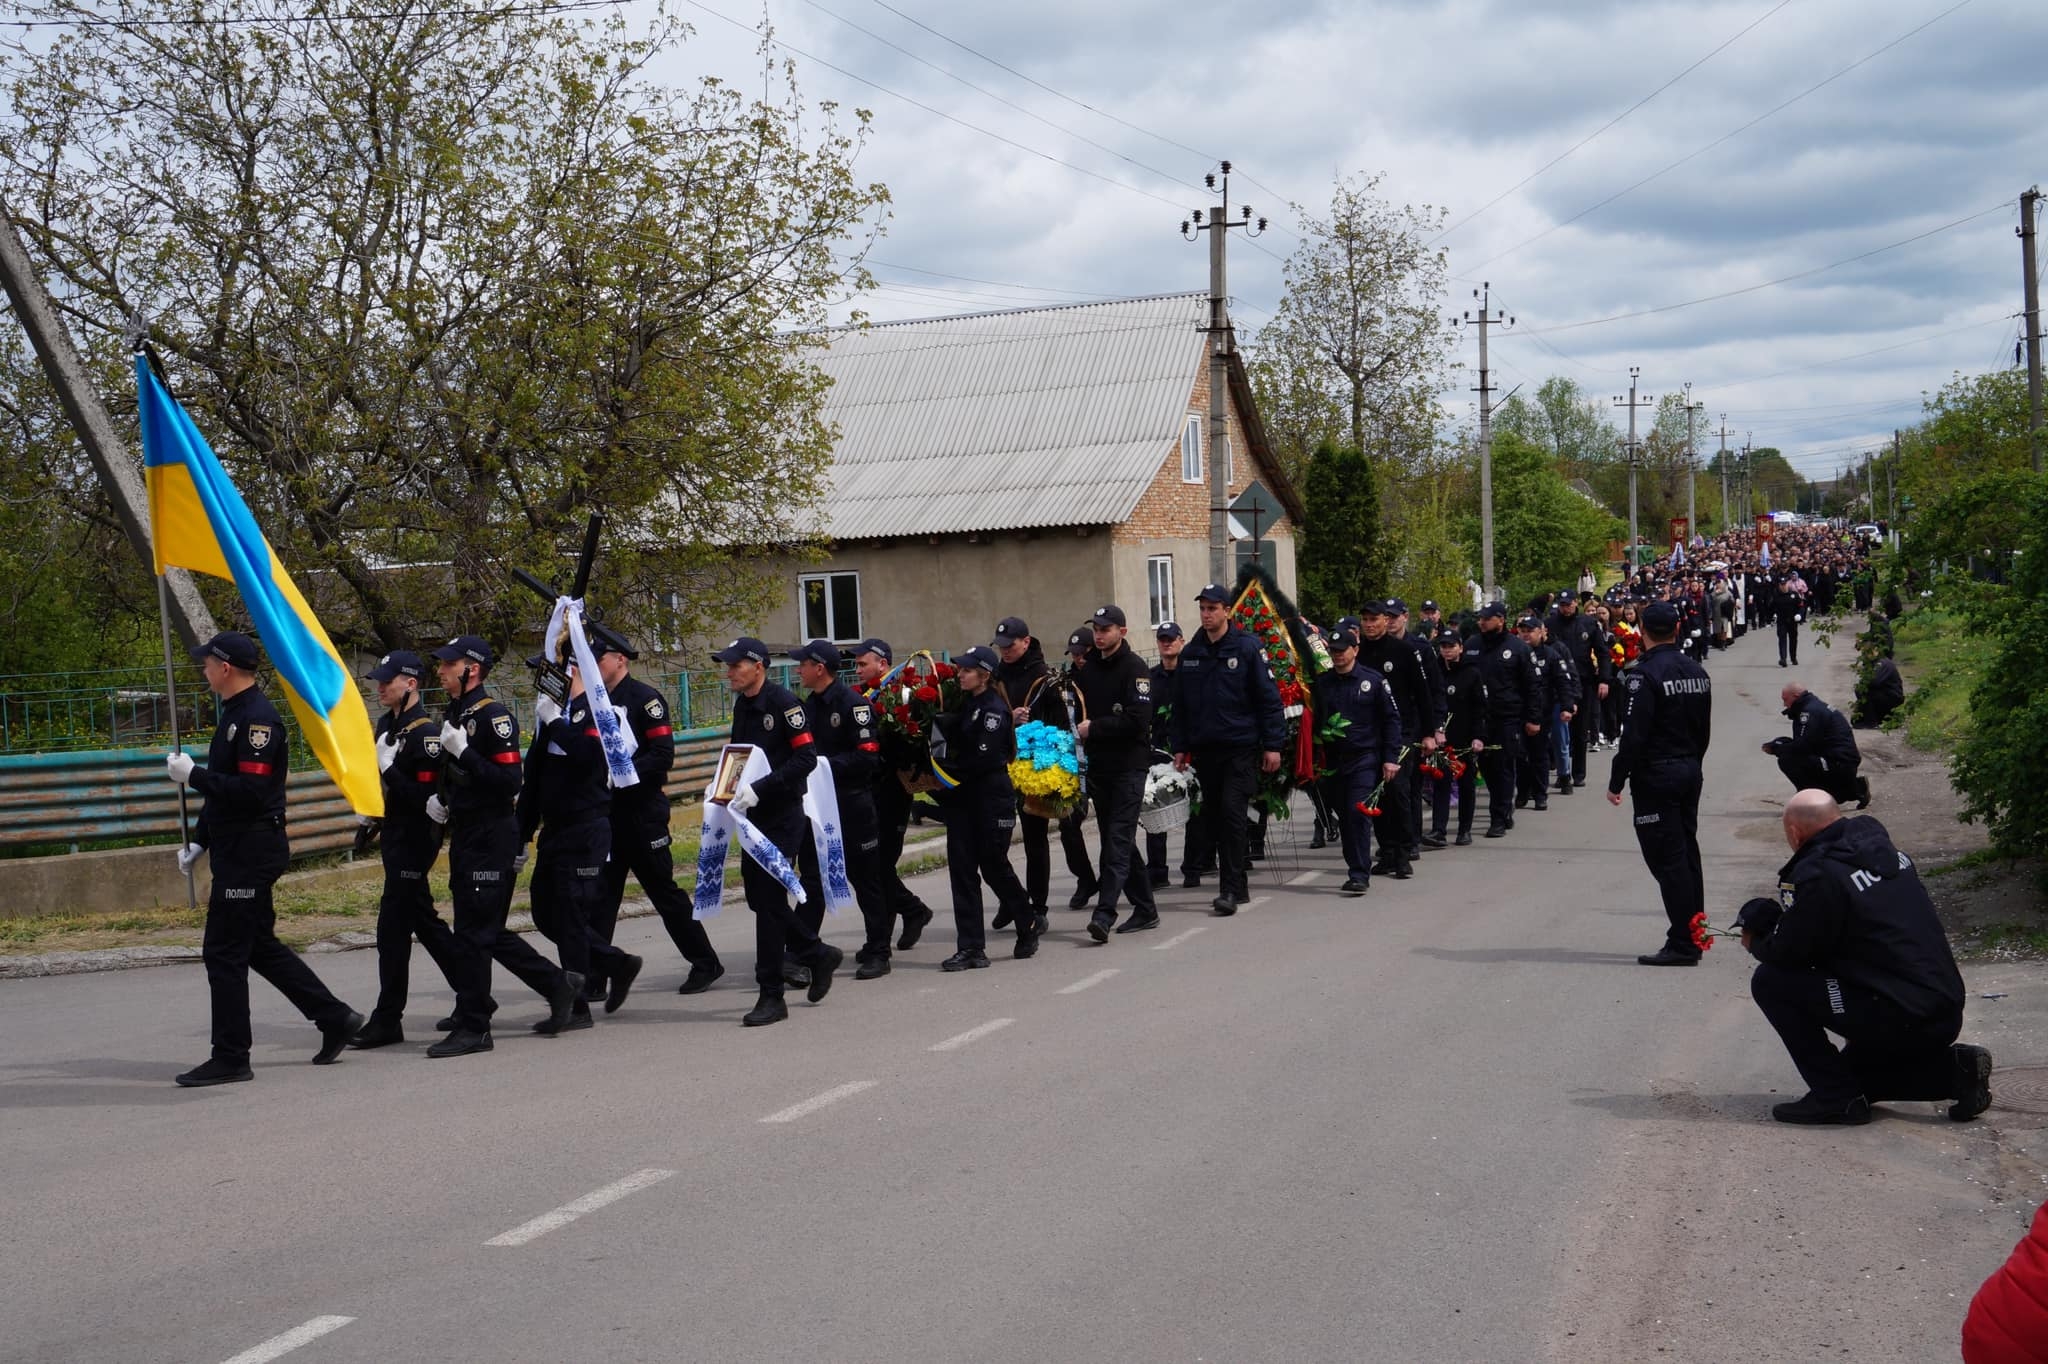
(743,800)
(546,710)
(454,739)
(387,752)
(187,855)
(437,809)
(364,821)
(518,861)
(180,767)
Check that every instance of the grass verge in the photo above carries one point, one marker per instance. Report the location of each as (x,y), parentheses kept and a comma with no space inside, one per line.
(1941,661)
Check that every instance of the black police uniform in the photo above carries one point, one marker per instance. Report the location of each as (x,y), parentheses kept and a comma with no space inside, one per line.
(773,720)
(1855,948)
(641,841)
(1028,686)
(1789,608)
(483,840)
(892,801)
(1371,738)
(567,799)
(1117,690)
(409,842)
(1821,753)
(1433,674)
(849,741)
(1226,713)
(1465,697)
(979,741)
(241,825)
(1664,732)
(1196,856)
(1400,836)
(1514,700)
(1579,635)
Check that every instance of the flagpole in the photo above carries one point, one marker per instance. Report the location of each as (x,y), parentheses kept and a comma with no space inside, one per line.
(163,606)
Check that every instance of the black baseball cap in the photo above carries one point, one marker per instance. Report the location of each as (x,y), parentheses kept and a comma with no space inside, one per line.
(1010,629)
(1167,630)
(1431,606)
(1529,623)
(1493,608)
(471,647)
(980,656)
(397,663)
(1394,606)
(1660,616)
(1446,638)
(1109,615)
(1343,639)
(605,640)
(746,647)
(1350,623)
(817,651)
(1082,640)
(878,647)
(1215,592)
(1372,608)
(231,647)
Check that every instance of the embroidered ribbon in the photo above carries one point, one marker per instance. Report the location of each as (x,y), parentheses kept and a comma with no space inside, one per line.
(722,827)
(821,803)
(612,730)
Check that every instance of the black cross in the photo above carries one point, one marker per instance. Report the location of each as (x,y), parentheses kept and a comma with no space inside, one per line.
(550,677)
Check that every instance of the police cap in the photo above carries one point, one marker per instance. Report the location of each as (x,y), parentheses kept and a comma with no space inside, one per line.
(231,647)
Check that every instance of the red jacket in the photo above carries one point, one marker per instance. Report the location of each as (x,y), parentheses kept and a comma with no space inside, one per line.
(2008,1320)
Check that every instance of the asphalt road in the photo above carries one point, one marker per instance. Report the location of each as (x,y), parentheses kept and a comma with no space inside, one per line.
(1450,1121)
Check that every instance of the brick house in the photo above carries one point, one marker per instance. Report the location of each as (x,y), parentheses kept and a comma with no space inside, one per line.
(1036,462)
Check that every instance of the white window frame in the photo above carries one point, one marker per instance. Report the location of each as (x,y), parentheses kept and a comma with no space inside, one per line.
(1191,449)
(803,620)
(1160,601)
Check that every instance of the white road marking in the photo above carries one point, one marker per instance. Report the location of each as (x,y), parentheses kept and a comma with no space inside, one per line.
(569,1212)
(972,1035)
(278,1346)
(1088,982)
(1178,938)
(818,1101)
(1305,878)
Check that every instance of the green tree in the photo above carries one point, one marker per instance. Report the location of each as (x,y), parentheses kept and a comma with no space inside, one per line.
(1974,425)
(1543,531)
(438,284)
(1343,557)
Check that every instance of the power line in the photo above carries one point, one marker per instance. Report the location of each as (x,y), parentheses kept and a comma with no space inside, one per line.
(996,283)
(1768,113)
(496,12)
(1861,354)
(1609,123)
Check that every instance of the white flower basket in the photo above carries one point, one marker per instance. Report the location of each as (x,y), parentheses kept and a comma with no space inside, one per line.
(1164,818)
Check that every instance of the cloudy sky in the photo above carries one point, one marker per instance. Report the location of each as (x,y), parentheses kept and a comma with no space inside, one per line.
(1597,159)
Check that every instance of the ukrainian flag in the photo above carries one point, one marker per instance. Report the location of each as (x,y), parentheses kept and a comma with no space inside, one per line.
(199,522)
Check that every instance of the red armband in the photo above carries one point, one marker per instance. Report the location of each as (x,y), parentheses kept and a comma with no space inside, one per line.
(800,739)
(249,769)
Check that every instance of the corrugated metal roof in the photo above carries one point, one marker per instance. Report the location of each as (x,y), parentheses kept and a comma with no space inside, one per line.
(1038,417)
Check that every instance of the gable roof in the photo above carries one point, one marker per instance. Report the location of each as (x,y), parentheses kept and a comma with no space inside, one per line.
(1032,418)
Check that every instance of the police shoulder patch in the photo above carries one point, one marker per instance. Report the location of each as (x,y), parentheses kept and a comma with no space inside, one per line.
(794,716)
(501,725)
(991,721)
(653,707)
(1144,685)
(259,737)
(1635,681)
(433,747)
(1785,894)
(863,715)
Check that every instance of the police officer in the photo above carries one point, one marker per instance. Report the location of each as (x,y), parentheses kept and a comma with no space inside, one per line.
(872,659)
(1788,606)
(1423,646)
(1664,731)
(766,715)
(849,739)
(1514,710)
(1195,854)
(241,828)
(409,759)
(975,742)
(1116,688)
(1572,628)
(1228,727)
(481,773)
(1380,646)
(1364,754)
(1026,682)
(641,841)
(1821,751)
(567,799)
(1464,724)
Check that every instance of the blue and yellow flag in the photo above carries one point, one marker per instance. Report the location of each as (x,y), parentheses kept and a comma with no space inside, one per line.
(199,522)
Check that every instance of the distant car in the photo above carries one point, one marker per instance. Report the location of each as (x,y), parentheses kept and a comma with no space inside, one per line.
(1867,531)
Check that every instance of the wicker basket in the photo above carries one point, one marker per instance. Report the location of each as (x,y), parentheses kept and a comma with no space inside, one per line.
(1039,808)
(1164,818)
(916,783)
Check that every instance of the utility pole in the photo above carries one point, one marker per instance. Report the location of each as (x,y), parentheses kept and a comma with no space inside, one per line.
(1222,341)
(2031,276)
(1748,489)
(1692,410)
(1891,492)
(1486,318)
(1724,473)
(111,459)
(1634,373)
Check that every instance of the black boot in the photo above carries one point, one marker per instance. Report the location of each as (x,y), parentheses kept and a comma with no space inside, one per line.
(768,1009)
(378,1032)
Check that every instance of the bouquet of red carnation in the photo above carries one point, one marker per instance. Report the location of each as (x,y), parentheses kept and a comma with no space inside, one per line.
(1444,765)
(914,694)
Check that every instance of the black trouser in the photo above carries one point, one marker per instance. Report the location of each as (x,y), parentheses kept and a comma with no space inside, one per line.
(1117,795)
(980,818)
(1890,1054)
(1666,804)
(1354,782)
(1391,826)
(778,928)
(1411,783)
(1788,637)
(1037,832)
(1228,777)
(642,847)
(1610,713)
(1497,763)
(480,852)
(1810,771)
(241,936)
(1197,858)
(1582,732)
(406,912)
(863,874)
(1468,796)
(567,885)
(892,821)
(1532,777)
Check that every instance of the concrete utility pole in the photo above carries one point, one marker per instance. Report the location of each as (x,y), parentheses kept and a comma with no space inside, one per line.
(2031,277)
(1222,341)
(1634,373)
(1724,473)
(1486,318)
(1692,518)
(1891,492)
(1748,489)
(111,459)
